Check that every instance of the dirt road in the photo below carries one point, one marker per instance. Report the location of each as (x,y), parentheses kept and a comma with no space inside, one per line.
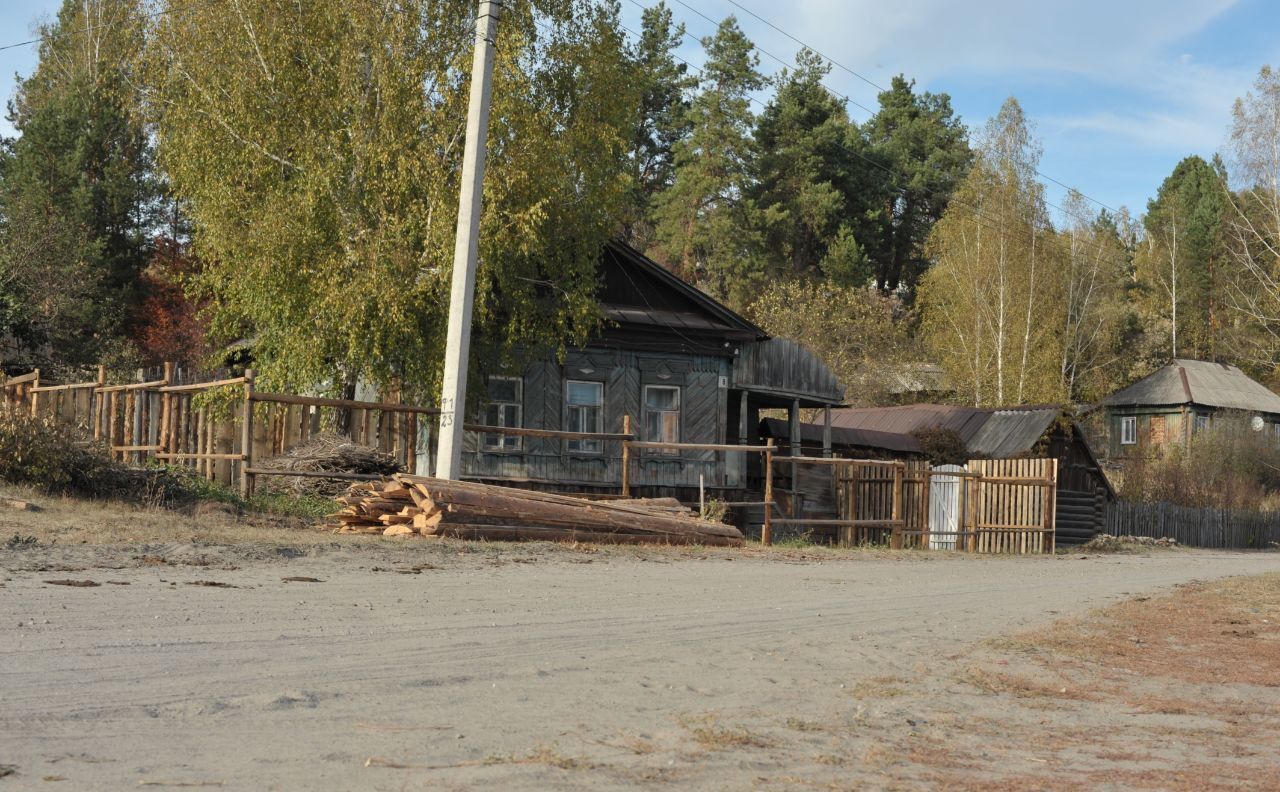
(409,669)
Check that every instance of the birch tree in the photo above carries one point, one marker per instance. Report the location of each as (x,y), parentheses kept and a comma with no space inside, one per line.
(986,300)
(1092,273)
(318,147)
(1253,223)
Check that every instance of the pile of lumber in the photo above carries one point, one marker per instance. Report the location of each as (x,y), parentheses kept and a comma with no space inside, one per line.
(414,505)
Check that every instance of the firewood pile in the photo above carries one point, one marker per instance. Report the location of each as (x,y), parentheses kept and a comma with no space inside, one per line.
(325,453)
(414,505)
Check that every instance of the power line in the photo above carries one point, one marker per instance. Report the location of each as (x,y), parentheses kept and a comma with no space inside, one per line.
(89,27)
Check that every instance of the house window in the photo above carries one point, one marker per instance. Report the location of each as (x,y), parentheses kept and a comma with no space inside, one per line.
(662,416)
(584,412)
(1202,423)
(1129,430)
(506,397)
(1275,431)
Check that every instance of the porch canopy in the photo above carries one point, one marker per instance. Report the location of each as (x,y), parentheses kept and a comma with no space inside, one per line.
(778,373)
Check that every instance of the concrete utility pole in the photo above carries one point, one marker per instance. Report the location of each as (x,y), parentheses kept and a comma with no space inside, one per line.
(453,397)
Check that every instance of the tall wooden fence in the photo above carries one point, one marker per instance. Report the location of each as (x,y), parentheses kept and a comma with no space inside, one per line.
(1221,528)
(1000,505)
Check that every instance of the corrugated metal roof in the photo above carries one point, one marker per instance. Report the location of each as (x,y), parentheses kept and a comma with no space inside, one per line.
(1198,382)
(811,434)
(1007,433)
(986,432)
(966,421)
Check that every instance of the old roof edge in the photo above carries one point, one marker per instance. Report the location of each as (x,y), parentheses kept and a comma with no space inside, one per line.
(726,314)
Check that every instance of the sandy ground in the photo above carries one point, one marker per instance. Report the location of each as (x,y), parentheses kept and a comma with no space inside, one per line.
(442,665)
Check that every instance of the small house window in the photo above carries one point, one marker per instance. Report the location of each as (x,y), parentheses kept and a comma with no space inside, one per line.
(1129,430)
(584,412)
(506,397)
(1275,431)
(1202,422)
(662,416)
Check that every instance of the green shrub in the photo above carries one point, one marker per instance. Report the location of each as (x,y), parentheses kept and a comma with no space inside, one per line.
(53,457)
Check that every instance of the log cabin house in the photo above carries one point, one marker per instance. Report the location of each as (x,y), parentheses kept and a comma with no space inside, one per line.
(680,366)
(1168,406)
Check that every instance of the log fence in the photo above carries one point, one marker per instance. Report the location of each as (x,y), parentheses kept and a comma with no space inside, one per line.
(1007,505)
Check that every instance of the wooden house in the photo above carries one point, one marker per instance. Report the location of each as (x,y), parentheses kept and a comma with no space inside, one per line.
(1172,403)
(1047,431)
(676,364)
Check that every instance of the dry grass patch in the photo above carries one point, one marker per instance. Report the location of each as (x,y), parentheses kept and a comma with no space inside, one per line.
(1226,632)
(712,736)
(881,687)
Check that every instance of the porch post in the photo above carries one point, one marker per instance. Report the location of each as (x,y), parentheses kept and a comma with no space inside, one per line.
(793,414)
(826,430)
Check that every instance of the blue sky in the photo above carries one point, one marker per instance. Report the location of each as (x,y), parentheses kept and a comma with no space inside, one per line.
(1118,91)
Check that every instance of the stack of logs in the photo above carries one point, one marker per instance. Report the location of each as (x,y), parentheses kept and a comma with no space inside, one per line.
(414,505)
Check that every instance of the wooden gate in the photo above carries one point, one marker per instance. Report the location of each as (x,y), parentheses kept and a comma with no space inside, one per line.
(1012,502)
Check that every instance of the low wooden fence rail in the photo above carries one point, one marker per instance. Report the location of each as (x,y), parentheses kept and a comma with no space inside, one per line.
(1194,527)
(1003,506)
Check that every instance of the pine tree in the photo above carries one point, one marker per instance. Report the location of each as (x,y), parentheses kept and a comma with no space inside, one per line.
(77,188)
(1180,266)
(805,178)
(664,117)
(704,222)
(925,146)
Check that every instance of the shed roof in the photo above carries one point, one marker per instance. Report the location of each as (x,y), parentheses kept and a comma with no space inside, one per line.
(811,434)
(1008,433)
(996,433)
(966,421)
(1198,382)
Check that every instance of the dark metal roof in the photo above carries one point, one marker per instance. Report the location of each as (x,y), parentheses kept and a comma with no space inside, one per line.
(966,421)
(986,432)
(858,438)
(1197,382)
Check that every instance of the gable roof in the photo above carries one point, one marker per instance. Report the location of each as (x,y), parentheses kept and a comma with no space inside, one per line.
(1197,382)
(641,295)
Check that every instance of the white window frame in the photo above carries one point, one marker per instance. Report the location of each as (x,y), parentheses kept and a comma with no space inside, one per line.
(1128,430)
(1200,423)
(504,443)
(646,411)
(579,425)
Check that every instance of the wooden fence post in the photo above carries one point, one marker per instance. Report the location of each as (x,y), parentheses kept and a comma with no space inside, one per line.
(1050,505)
(974,487)
(35,395)
(766,529)
(98,407)
(895,538)
(246,437)
(166,409)
(626,457)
